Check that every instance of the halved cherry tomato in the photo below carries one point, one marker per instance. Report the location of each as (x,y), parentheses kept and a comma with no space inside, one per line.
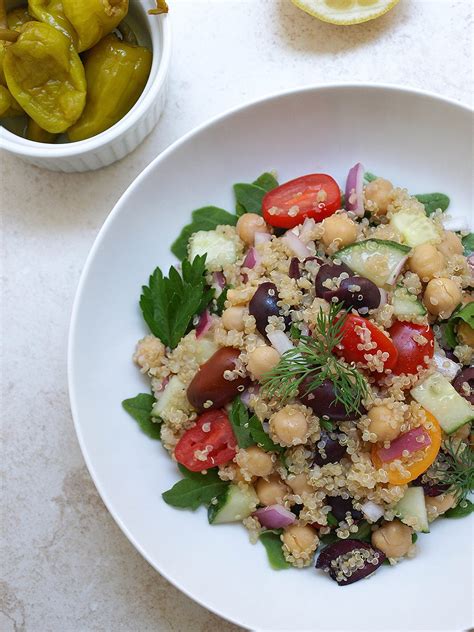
(411,353)
(358,331)
(316,195)
(416,467)
(212,437)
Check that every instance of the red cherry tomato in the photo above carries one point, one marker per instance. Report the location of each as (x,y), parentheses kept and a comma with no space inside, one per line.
(316,195)
(213,437)
(411,353)
(357,331)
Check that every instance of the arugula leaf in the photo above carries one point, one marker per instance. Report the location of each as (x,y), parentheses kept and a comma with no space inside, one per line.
(464,508)
(266,181)
(249,198)
(468,243)
(140,407)
(433,201)
(273,545)
(195,489)
(260,437)
(169,303)
(369,177)
(239,420)
(466,314)
(205,218)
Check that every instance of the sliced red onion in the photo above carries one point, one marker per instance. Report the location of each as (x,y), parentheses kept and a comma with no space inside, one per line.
(396,271)
(261,238)
(204,324)
(160,390)
(296,246)
(383,297)
(445,366)
(280,341)
(248,393)
(355,190)
(252,258)
(411,441)
(372,511)
(470,261)
(219,279)
(306,229)
(294,268)
(275,517)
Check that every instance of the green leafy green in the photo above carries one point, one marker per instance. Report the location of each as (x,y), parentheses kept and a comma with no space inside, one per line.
(466,314)
(249,196)
(140,407)
(219,302)
(169,303)
(462,510)
(295,332)
(205,218)
(468,243)
(195,489)
(369,177)
(273,545)
(414,538)
(332,520)
(327,425)
(239,420)
(266,181)
(433,201)
(260,437)
(364,532)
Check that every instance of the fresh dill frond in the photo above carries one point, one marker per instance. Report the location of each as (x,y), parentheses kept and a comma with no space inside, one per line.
(455,467)
(303,369)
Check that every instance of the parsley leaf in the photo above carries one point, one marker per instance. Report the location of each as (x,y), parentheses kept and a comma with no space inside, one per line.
(205,218)
(239,420)
(169,303)
(466,314)
(468,243)
(327,424)
(462,510)
(433,201)
(332,520)
(140,407)
(370,177)
(273,545)
(249,196)
(219,302)
(266,181)
(195,489)
(260,437)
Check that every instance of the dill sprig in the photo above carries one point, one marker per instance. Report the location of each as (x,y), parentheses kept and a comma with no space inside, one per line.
(304,368)
(455,467)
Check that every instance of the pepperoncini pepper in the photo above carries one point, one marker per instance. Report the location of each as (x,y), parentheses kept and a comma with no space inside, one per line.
(116,74)
(51,12)
(17,17)
(8,105)
(46,76)
(38,134)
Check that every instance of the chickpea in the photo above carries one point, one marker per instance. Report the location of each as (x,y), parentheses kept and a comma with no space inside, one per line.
(299,484)
(465,334)
(393,538)
(451,244)
(261,360)
(384,423)
(233,318)
(437,505)
(300,539)
(289,426)
(271,491)
(462,433)
(378,195)
(426,261)
(256,461)
(441,297)
(249,224)
(340,230)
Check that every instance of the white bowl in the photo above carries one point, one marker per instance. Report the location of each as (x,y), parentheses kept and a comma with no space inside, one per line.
(418,141)
(123,137)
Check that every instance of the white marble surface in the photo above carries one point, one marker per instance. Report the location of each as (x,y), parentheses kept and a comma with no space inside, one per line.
(65,564)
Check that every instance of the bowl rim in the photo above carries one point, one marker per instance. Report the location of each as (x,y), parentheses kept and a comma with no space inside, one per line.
(103,231)
(160,34)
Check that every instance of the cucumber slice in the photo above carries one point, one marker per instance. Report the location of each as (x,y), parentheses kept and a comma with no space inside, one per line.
(442,400)
(406,305)
(411,509)
(378,260)
(235,504)
(173,395)
(414,227)
(220,251)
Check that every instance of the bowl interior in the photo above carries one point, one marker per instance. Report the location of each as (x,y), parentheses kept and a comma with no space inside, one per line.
(413,139)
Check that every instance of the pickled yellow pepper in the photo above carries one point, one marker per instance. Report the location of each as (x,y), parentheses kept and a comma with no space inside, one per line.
(116,74)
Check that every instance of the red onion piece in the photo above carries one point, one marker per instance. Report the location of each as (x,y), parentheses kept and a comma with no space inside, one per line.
(164,383)
(412,441)
(219,279)
(306,229)
(280,341)
(275,517)
(355,190)
(204,324)
(470,261)
(251,259)
(383,297)
(396,271)
(248,393)
(296,246)
(445,366)
(261,238)
(372,511)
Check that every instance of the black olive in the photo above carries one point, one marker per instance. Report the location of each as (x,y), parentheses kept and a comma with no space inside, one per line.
(341,506)
(329,449)
(333,558)
(264,303)
(366,296)
(466,375)
(329,271)
(322,400)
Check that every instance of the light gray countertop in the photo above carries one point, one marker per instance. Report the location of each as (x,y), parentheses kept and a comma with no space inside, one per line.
(66,565)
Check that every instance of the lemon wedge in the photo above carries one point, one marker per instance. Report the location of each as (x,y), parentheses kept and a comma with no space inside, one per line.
(345,11)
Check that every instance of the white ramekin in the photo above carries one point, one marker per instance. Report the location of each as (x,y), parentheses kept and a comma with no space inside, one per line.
(123,137)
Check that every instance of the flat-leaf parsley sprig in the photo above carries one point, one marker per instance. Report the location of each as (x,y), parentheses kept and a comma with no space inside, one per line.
(305,368)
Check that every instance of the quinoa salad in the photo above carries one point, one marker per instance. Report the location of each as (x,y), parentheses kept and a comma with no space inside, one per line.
(311,367)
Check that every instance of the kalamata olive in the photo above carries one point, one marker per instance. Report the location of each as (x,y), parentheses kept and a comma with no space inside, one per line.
(329,271)
(341,506)
(263,304)
(328,449)
(294,271)
(210,385)
(356,292)
(466,376)
(347,561)
(430,489)
(322,400)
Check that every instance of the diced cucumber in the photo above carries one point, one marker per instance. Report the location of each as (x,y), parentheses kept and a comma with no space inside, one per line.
(378,260)
(442,400)
(414,227)
(173,395)
(220,251)
(406,305)
(411,509)
(235,504)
